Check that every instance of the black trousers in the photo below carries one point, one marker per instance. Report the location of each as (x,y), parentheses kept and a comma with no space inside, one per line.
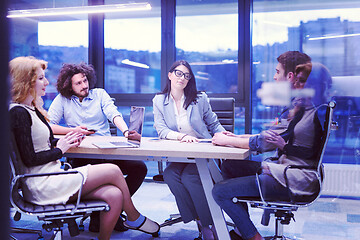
(135,171)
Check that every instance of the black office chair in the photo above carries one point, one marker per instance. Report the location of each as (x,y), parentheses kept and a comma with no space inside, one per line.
(113,129)
(283,210)
(54,216)
(225,111)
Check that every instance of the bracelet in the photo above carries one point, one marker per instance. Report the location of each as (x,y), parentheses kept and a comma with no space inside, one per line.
(125,131)
(183,137)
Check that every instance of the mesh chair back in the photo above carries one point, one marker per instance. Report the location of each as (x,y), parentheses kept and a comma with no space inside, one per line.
(16,164)
(328,122)
(324,140)
(224,109)
(17,167)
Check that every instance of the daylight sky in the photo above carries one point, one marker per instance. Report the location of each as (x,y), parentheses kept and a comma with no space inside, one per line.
(194,33)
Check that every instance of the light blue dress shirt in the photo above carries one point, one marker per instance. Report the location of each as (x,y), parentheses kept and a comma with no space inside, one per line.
(93,112)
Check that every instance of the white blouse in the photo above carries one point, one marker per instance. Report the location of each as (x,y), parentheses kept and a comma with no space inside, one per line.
(182,121)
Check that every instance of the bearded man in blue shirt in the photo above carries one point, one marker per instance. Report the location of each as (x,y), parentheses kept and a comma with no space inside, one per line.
(88,110)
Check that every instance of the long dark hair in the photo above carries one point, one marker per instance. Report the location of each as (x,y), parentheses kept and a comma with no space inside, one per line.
(190,91)
(64,83)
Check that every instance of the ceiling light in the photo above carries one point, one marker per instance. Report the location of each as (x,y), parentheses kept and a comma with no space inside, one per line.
(79,10)
(135,64)
(334,36)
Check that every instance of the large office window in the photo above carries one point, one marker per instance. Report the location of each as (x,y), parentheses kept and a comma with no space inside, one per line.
(329,33)
(132,51)
(133,58)
(56,40)
(207,37)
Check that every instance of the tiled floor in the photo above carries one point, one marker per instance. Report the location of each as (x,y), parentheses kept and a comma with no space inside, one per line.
(326,219)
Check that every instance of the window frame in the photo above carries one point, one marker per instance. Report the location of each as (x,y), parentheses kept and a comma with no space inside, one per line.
(168,16)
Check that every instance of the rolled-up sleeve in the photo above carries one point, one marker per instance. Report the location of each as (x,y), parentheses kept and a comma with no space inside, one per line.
(108,106)
(56,110)
(258,143)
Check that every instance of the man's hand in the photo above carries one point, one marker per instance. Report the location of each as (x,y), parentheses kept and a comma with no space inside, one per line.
(133,135)
(271,136)
(227,133)
(222,138)
(83,130)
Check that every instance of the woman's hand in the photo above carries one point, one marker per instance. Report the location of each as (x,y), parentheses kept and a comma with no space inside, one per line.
(274,138)
(71,139)
(189,139)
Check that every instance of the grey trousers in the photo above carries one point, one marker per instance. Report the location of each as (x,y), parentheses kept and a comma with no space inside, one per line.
(184,182)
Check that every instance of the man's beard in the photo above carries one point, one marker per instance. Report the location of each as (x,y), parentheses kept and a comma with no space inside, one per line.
(84,93)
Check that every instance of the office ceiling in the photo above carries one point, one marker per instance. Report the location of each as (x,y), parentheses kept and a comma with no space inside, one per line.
(270,5)
(199,7)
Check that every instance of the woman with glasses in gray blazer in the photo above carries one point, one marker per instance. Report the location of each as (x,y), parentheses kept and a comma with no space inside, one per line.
(184,114)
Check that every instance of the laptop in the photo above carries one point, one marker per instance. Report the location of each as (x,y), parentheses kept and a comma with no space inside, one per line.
(135,131)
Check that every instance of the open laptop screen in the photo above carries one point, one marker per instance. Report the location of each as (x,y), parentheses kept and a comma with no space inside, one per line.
(135,131)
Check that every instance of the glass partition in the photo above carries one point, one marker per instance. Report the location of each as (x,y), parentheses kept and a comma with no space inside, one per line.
(329,33)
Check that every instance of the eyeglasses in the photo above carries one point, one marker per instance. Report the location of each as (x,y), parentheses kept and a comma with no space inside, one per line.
(179,74)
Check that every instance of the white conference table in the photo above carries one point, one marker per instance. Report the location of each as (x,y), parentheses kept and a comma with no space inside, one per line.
(153,149)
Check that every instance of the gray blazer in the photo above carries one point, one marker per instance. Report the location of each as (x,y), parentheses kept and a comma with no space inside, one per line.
(200,116)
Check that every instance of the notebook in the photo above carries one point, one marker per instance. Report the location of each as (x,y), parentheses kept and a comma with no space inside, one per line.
(135,131)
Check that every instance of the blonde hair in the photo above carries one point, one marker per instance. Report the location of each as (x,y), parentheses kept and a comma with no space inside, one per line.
(23,77)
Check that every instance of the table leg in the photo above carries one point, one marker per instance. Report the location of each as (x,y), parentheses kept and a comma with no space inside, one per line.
(216,213)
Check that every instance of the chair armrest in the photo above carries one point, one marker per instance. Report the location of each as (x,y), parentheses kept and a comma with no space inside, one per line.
(258,172)
(18,177)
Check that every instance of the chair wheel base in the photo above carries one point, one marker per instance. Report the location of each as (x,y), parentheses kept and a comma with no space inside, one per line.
(158,178)
(170,221)
(81,228)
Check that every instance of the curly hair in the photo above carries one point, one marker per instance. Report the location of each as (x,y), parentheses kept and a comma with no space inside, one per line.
(290,59)
(190,91)
(23,78)
(64,82)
